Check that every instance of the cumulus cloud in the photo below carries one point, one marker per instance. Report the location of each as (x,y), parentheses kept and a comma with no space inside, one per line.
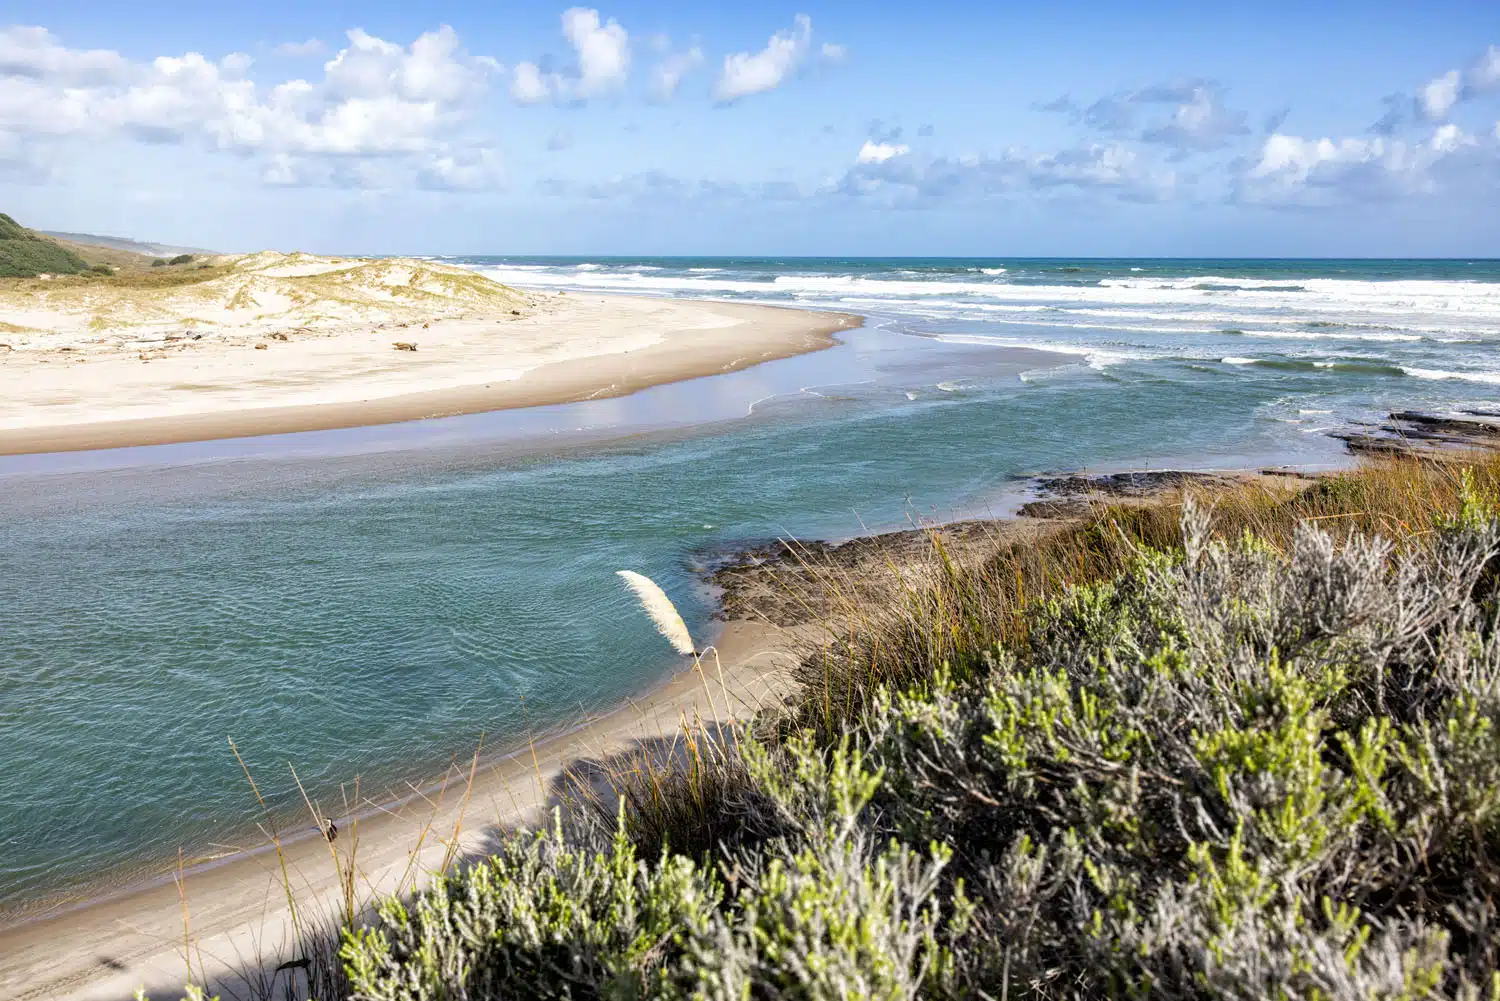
(33,53)
(603,51)
(529,85)
(602,55)
(377,100)
(1440,95)
(1413,150)
(668,74)
(746,73)
(1292,170)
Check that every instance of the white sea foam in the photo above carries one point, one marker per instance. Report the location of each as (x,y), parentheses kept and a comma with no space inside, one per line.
(1232,360)
(1092,356)
(1489,378)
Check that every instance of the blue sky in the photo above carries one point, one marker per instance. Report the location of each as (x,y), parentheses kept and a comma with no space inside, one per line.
(817,128)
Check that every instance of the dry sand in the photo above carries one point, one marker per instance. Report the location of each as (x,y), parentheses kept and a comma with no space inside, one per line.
(274,343)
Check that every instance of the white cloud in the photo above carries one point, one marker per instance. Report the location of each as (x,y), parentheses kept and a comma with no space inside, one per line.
(1292,170)
(834,53)
(376,99)
(603,51)
(34,53)
(1440,95)
(529,86)
(668,73)
(874,152)
(746,73)
(311,47)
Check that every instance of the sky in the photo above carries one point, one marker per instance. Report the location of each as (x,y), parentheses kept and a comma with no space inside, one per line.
(772,128)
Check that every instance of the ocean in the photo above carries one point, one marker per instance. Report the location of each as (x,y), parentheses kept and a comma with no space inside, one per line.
(371,602)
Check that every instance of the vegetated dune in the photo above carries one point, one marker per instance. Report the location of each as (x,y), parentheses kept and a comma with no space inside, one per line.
(236,297)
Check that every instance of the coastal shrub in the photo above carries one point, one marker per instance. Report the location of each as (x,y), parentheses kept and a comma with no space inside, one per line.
(159,262)
(821,913)
(540,918)
(1226,774)
(26,254)
(1246,765)
(181,259)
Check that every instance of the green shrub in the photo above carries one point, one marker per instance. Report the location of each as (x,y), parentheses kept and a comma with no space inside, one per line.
(159,263)
(24,254)
(540,919)
(181,259)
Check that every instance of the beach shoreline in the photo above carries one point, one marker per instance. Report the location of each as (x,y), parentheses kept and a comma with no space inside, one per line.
(59,397)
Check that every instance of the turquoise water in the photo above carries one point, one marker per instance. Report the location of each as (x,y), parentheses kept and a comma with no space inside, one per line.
(369,602)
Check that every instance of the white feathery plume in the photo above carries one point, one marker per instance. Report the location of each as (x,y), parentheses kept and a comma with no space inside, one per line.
(661,610)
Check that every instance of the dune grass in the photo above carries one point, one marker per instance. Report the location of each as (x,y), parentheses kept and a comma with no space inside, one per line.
(1244,745)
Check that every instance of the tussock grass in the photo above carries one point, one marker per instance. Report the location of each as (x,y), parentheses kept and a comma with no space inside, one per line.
(962,611)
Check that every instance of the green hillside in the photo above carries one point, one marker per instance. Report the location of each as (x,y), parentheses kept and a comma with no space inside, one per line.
(24,254)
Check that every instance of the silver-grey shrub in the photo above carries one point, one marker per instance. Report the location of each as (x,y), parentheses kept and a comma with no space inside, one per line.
(1231,772)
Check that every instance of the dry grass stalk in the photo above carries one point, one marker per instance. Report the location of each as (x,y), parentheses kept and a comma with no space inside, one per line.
(659,608)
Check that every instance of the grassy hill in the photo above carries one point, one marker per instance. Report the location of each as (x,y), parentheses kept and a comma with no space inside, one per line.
(24,254)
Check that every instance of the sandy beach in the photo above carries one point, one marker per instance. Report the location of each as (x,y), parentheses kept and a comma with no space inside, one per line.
(276,343)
